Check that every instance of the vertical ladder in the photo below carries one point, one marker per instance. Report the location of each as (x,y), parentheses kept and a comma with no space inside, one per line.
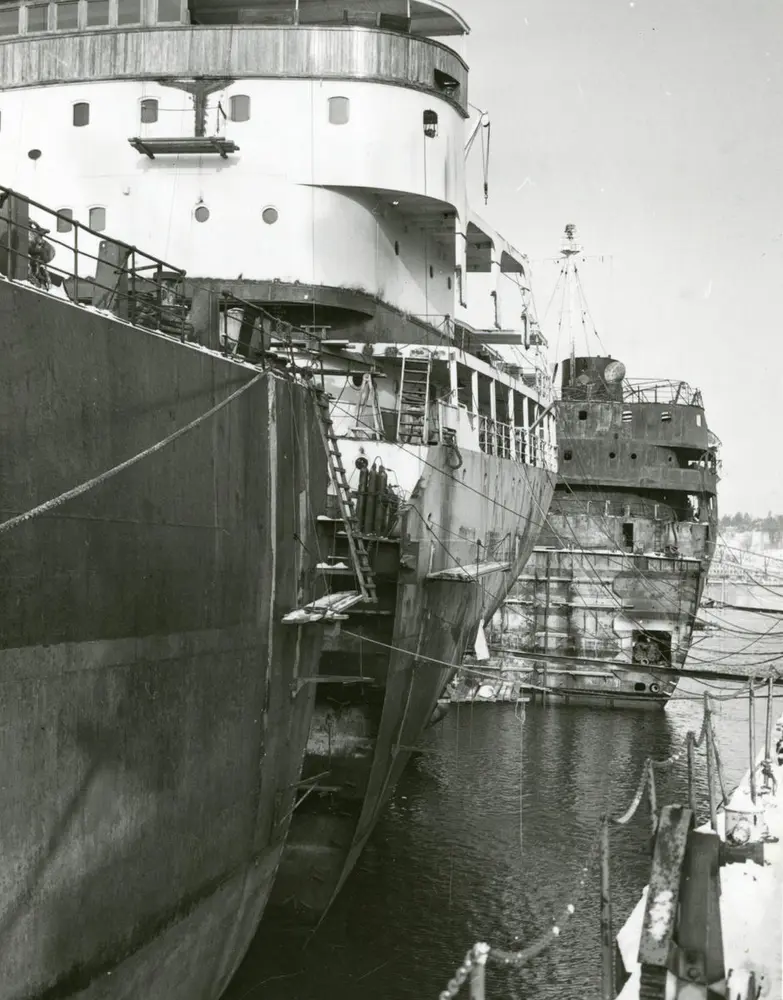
(414,400)
(359,557)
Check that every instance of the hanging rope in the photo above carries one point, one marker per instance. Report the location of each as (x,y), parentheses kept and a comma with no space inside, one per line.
(44,508)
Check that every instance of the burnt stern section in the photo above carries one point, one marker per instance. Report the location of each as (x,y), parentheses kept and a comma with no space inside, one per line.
(614,584)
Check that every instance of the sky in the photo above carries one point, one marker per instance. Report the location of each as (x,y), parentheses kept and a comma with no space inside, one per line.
(656,127)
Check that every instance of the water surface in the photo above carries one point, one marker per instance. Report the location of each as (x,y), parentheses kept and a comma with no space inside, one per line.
(488,835)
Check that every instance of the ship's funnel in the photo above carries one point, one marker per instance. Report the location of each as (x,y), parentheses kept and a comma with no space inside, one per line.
(593,379)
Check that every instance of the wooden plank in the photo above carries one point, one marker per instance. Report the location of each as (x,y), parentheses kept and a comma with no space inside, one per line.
(246,51)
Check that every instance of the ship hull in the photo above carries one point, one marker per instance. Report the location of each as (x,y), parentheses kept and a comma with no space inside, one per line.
(152,732)
(410,656)
(597,615)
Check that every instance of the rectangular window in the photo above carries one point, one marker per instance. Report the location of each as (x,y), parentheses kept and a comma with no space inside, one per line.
(149,110)
(67,12)
(97,13)
(168,11)
(628,534)
(9,21)
(128,11)
(81,114)
(339,110)
(98,219)
(38,17)
(64,220)
(239,108)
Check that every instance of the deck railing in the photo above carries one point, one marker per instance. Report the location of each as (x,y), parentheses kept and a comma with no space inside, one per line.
(57,254)
(661,391)
(505,441)
(55,251)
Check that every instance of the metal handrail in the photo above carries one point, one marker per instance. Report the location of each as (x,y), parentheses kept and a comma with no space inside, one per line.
(147,292)
(517,443)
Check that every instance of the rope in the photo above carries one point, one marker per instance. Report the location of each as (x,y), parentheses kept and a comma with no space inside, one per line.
(97,480)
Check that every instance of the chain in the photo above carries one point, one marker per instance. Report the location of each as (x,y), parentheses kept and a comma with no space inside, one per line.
(476,956)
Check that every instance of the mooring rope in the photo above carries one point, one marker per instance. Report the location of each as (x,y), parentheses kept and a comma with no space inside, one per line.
(97,480)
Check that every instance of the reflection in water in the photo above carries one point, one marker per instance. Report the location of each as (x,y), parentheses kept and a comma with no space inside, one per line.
(486,839)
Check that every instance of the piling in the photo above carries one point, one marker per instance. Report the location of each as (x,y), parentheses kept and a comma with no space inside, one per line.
(691,774)
(478,971)
(752,738)
(607,934)
(710,750)
(768,728)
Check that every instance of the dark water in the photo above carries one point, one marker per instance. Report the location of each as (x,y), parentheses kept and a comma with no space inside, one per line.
(487,838)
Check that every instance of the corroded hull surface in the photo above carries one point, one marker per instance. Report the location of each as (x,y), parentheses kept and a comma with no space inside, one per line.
(150,739)
(597,612)
(402,656)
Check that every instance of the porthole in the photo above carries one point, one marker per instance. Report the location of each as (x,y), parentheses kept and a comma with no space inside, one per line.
(633,455)
(202,213)
(270,215)
(567,456)
(612,454)
(34,154)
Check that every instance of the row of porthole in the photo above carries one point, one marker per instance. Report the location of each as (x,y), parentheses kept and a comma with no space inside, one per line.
(97,217)
(568,455)
(628,415)
(270,215)
(239,111)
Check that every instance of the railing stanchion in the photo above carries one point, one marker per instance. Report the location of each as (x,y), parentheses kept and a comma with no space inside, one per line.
(710,777)
(752,738)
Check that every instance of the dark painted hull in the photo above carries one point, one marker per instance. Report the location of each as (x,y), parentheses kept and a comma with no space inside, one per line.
(359,754)
(151,740)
